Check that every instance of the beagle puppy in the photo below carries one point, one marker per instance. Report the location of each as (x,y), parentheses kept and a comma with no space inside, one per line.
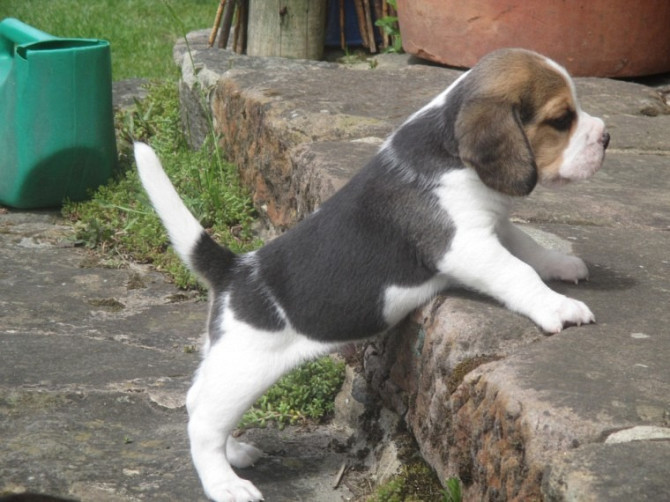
(429,211)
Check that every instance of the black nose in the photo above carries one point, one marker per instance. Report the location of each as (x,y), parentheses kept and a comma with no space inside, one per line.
(605,140)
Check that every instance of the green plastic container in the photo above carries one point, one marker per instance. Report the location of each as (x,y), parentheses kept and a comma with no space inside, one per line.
(57,127)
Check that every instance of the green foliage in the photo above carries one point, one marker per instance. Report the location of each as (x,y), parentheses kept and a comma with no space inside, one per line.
(141,32)
(452,491)
(390,26)
(119,217)
(307,393)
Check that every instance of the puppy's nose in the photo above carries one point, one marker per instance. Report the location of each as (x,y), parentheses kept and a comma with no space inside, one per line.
(605,139)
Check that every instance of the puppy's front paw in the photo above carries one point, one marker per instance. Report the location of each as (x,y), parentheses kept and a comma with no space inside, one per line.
(553,316)
(563,267)
(234,490)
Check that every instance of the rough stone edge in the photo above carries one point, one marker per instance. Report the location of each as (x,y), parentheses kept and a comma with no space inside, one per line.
(475,424)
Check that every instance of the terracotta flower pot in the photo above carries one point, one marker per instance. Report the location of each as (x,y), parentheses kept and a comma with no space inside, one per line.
(606,38)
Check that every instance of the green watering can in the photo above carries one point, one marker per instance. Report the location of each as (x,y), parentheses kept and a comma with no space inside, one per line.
(56,121)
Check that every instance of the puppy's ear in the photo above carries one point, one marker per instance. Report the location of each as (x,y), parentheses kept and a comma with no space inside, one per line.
(492,140)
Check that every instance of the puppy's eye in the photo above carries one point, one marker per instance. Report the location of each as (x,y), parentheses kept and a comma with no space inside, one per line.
(562,122)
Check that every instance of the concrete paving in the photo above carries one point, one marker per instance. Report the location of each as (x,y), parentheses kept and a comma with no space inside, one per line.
(95,359)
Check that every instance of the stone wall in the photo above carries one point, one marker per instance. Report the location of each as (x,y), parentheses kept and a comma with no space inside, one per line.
(426,371)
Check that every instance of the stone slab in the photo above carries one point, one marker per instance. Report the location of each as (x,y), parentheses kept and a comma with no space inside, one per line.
(613,473)
(631,190)
(121,447)
(92,392)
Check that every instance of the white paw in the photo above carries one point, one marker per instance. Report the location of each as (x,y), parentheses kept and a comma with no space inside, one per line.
(240,454)
(234,490)
(553,315)
(563,267)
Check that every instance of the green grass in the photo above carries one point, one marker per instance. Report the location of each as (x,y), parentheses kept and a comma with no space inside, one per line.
(452,491)
(141,32)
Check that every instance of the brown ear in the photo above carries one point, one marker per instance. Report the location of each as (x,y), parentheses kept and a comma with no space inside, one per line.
(491,139)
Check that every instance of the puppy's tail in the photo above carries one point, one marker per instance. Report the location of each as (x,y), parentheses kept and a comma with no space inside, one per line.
(193,245)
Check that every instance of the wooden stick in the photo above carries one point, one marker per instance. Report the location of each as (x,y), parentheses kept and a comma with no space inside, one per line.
(360,14)
(217,23)
(236,31)
(369,27)
(240,43)
(245,23)
(343,41)
(226,23)
(381,11)
(339,475)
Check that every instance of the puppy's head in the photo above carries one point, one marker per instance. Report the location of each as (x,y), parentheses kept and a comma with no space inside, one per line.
(518,122)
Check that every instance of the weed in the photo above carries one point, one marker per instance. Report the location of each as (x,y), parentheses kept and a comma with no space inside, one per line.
(390,26)
(452,491)
(307,393)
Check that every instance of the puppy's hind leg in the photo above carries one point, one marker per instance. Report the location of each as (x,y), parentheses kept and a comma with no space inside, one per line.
(237,370)
(226,385)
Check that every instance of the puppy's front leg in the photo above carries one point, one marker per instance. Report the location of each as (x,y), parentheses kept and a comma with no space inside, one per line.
(479,261)
(549,264)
